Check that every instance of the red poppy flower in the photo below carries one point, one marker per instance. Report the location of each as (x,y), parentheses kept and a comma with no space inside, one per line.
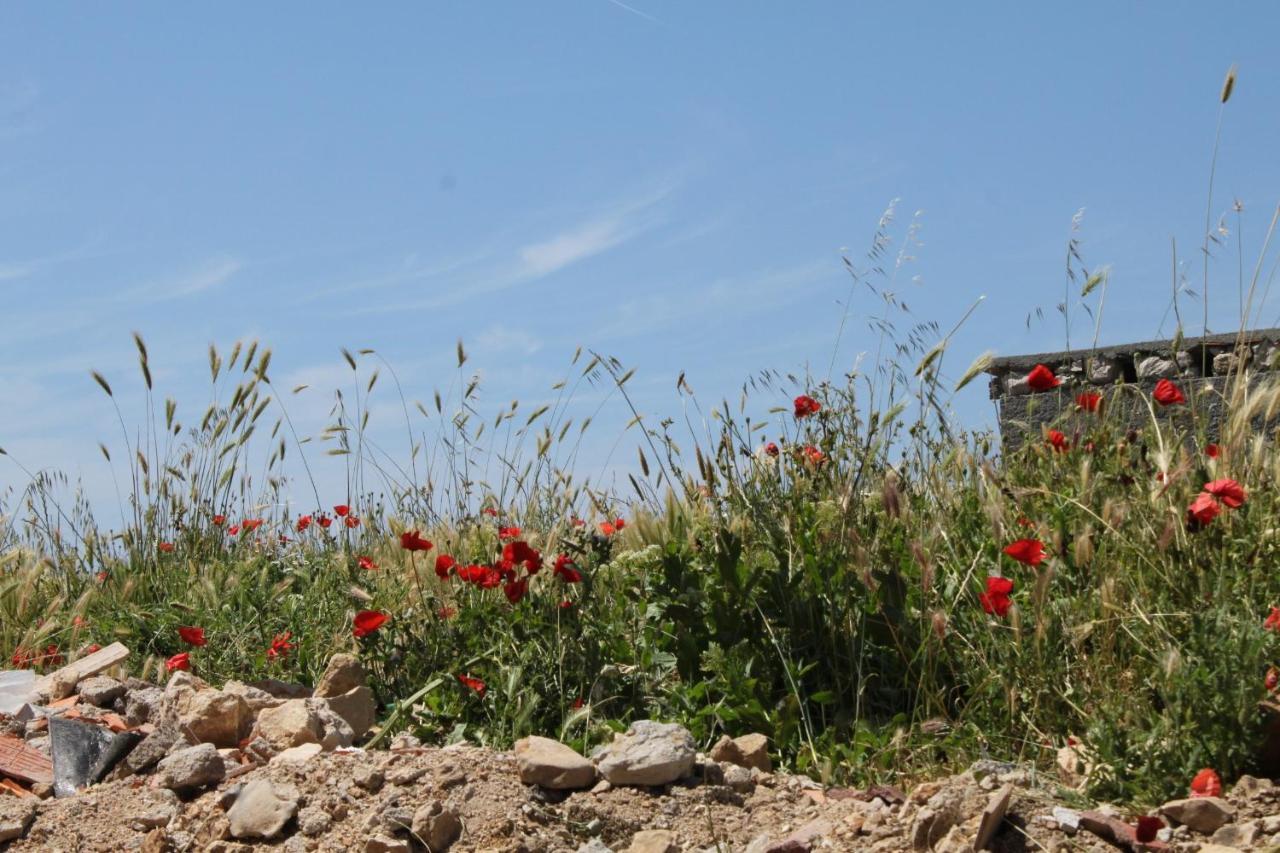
(508,532)
(233,530)
(178,661)
(772,449)
(1023,521)
(996,599)
(1272,681)
(565,605)
(813,455)
(516,590)
(565,569)
(1042,378)
(577,522)
(1272,622)
(521,552)
(251,523)
(411,540)
(91,648)
(577,703)
(489,511)
(806,406)
(1206,784)
(351,521)
(1089,401)
(1229,492)
(219,520)
(341,510)
(1212,451)
(1057,440)
(280,646)
(166,547)
(366,563)
(368,621)
(1167,394)
(51,656)
(446,613)
(607,528)
(79,622)
(444,565)
(101,577)
(192,636)
(619,523)
(304,521)
(1204,509)
(1028,551)
(474,684)
(1148,827)
(324,521)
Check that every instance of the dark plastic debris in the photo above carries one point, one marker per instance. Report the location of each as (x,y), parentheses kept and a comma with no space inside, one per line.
(83,753)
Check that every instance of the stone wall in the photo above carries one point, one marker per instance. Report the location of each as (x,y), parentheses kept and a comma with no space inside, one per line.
(1196,363)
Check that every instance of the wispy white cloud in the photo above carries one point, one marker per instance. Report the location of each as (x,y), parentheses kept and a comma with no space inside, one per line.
(728,299)
(500,338)
(572,244)
(212,273)
(633,10)
(569,247)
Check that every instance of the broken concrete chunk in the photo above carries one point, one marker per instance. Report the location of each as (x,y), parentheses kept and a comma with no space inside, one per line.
(193,767)
(100,690)
(262,809)
(649,753)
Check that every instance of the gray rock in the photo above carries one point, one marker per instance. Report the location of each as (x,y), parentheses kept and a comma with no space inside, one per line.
(257,700)
(1242,836)
(262,810)
(1201,814)
(143,705)
(383,844)
(1156,367)
(154,747)
(739,778)
(357,707)
(649,753)
(1104,371)
(335,731)
(369,777)
(551,764)
(313,821)
(16,816)
(193,767)
(437,825)
(595,845)
(100,690)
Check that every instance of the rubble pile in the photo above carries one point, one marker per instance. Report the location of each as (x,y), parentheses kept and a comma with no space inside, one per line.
(92,761)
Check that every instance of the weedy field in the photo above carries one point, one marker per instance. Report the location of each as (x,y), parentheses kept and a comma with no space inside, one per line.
(829,560)
(880,594)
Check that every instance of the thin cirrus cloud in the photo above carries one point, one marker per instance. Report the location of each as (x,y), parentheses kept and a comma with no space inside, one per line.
(208,275)
(532,261)
(569,247)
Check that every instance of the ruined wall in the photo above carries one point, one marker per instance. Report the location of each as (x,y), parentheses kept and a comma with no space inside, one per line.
(1198,363)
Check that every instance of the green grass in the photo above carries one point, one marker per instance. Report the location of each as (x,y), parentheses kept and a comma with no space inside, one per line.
(834,606)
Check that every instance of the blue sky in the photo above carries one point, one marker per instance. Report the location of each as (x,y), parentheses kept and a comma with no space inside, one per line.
(669,182)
